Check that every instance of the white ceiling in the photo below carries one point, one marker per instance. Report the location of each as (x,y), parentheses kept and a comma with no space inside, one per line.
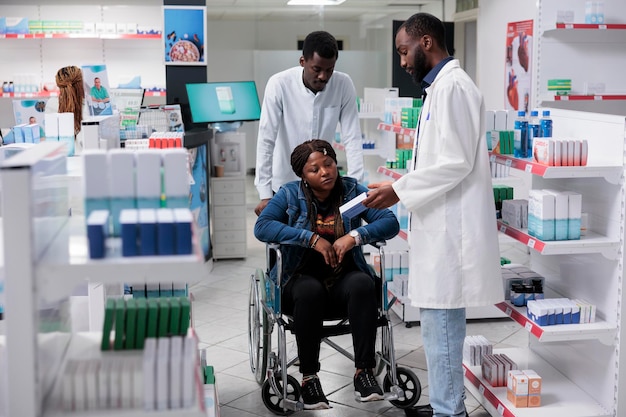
(350,10)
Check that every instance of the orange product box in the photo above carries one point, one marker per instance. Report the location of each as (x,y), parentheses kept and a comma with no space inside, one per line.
(518,401)
(534,400)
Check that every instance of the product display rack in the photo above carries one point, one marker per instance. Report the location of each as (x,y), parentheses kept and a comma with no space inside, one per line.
(81,36)
(402,306)
(580,364)
(43,261)
(125,54)
(593,53)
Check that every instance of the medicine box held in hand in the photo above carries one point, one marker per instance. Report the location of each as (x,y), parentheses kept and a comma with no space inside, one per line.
(353,207)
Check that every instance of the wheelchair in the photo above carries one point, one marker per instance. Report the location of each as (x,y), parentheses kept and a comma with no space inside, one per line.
(269,365)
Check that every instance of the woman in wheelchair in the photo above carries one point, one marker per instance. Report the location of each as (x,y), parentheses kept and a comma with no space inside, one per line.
(324,271)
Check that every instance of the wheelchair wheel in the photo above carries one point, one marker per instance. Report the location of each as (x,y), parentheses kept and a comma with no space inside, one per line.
(273,400)
(258,332)
(410,384)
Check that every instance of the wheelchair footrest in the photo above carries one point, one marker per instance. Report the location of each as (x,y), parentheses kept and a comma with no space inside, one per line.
(293,405)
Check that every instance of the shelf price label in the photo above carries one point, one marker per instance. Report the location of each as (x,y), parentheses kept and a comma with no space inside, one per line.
(508,163)
(569,26)
(508,311)
(602,27)
(481,389)
(597,98)
(503,228)
(529,168)
(531,243)
(492,158)
(529,326)
(500,409)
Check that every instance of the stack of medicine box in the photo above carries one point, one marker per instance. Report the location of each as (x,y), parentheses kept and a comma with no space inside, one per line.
(396,271)
(60,127)
(497,121)
(515,213)
(495,368)
(474,348)
(523,388)
(410,115)
(501,193)
(553,311)
(560,152)
(554,215)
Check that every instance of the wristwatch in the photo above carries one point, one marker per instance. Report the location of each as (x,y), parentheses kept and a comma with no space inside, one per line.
(356,236)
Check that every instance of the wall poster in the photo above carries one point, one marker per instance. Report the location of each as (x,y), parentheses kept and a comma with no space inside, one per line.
(518,68)
(184,29)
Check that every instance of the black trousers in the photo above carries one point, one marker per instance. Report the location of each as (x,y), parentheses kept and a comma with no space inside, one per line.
(309,302)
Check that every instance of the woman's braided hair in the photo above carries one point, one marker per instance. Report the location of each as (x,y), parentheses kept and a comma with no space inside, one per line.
(71,96)
(299,157)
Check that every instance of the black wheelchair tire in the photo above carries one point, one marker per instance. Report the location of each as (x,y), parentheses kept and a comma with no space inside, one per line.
(272,400)
(410,384)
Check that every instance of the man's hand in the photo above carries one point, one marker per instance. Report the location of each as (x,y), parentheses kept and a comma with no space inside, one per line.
(259,208)
(382,195)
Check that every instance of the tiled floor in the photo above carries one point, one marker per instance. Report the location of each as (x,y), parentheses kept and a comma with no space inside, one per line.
(220,316)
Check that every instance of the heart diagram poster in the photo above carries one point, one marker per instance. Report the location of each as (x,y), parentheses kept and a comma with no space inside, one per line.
(518,68)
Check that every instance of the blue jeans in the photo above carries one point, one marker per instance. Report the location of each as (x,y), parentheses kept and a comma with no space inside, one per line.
(443,332)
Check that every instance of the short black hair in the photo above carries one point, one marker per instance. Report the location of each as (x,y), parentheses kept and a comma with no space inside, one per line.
(421,24)
(321,42)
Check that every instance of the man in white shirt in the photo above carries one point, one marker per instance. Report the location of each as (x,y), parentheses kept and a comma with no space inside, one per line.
(302,103)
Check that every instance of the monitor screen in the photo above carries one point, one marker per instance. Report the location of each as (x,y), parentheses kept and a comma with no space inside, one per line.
(217,102)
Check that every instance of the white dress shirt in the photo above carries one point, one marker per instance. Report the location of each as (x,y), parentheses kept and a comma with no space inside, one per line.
(292,114)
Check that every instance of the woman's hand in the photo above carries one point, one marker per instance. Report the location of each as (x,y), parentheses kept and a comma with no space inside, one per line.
(328,252)
(343,246)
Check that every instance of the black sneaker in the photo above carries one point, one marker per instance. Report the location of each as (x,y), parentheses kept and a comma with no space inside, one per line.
(366,387)
(312,395)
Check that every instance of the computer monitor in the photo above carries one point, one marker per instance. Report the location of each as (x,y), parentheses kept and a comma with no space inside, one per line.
(220,102)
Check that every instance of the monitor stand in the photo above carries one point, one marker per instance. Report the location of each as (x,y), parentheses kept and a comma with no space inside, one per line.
(226,126)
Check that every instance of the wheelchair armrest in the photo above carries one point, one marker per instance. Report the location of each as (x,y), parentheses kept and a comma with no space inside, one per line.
(378,244)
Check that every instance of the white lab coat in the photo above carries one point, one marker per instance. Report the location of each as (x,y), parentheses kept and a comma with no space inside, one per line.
(454,258)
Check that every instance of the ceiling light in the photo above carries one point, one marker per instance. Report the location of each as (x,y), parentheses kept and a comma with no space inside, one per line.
(314,2)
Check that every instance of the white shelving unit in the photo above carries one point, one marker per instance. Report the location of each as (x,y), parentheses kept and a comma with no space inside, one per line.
(228,214)
(43,261)
(584,53)
(582,366)
(402,306)
(126,55)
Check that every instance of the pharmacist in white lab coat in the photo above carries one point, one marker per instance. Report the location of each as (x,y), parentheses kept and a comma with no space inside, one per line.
(453,243)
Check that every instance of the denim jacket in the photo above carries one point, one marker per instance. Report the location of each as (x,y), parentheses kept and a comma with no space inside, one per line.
(284,221)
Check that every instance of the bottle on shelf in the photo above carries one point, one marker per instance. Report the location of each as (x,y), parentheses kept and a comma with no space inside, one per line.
(521,135)
(546,124)
(534,131)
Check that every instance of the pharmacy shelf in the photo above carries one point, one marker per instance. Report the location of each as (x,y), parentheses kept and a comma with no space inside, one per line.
(590,243)
(599,330)
(393,173)
(559,395)
(39,94)
(67,264)
(86,345)
(366,152)
(590,97)
(45,94)
(81,36)
(396,129)
(377,116)
(611,174)
(592,26)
